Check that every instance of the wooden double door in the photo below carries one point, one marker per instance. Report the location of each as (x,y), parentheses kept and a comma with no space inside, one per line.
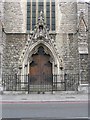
(40,68)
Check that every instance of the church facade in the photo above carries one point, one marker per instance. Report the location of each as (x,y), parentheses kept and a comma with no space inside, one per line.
(44,43)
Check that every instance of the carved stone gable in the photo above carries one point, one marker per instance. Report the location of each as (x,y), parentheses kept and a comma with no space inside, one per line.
(82,26)
(40,30)
(40,35)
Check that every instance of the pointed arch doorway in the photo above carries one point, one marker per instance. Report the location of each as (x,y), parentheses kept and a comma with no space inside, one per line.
(40,68)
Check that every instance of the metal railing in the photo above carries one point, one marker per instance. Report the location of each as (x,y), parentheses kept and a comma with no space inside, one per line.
(40,83)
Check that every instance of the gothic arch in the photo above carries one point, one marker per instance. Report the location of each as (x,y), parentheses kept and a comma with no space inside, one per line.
(82,22)
(48,49)
(33,49)
(40,37)
(44,44)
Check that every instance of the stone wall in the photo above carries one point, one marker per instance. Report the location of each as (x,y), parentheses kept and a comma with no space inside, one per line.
(2,35)
(89,43)
(13,48)
(83,6)
(15,17)
(68,38)
(68,13)
(83,68)
(82,40)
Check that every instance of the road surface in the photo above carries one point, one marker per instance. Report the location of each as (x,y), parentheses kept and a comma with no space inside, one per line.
(46,110)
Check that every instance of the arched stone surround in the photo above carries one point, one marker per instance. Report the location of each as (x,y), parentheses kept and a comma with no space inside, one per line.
(33,49)
(40,37)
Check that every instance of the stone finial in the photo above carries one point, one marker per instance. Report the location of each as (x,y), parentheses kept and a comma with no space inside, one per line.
(81,14)
(41,13)
(41,18)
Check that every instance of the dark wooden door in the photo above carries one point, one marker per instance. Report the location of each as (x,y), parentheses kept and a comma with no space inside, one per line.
(41,68)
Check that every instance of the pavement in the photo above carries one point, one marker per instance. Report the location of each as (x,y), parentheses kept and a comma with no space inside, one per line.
(48,97)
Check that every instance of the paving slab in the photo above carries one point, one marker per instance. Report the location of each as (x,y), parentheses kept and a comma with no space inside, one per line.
(45,97)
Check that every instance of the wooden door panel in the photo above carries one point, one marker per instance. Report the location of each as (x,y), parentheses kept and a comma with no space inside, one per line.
(40,68)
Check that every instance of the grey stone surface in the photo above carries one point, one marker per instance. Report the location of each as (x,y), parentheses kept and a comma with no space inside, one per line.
(13,17)
(82,40)
(89,44)
(69,17)
(69,36)
(61,96)
(13,48)
(2,36)
(70,39)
